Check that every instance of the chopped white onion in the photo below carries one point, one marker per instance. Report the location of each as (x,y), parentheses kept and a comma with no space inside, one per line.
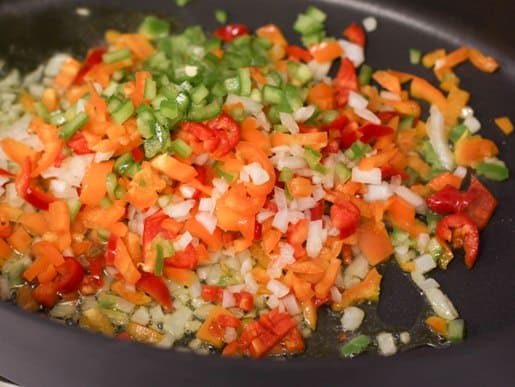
(472,123)
(72,170)
(230,334)
(353,51)
(291,305)
(277,288)
(183,241)
(228,300)
(352,318)
(315,239)
(336,296)
(368,115)
(249,105)
(54,64)
(412,198)
(187,191)
(377,192)
(251,283)
(435,131)
(141,316)
(280,198)
(179,210)
(466,111)
(422,241)
(422,282)
(424,263)
(386,344)
(460,171)
(256,173)
(319,70)
(264,215)
(304,113)
(370,23)
(220,186)
(357,101)
(372,176)
(355,272)
(441,304)
(103,156)
(388,95)
(289,122)
(207,205)
(207,220)
(280,221)
(405,337)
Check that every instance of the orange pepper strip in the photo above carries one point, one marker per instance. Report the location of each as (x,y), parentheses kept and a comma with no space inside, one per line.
(138,44)
(174,168)
(272,33)
(137,298)
(505,124)
(20,240)
(46,254)
(326,51)
(323,287)
(213,241)
(366,290)
(374,242)
(322,95)
(483,62)
(123,262)
(183,277)
(388,81)
(94,182)
(471,150)
(18,151)
(48,134)
(438,324)
(446,178)
(67,73)
(315,140)
(422,89)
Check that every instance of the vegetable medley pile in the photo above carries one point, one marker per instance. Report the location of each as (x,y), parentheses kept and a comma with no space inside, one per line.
(216,190)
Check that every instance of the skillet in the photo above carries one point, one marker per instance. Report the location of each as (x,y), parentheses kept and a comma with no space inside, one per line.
(39,352)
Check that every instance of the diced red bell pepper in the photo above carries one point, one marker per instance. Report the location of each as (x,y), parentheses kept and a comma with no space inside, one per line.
(463,233)
(318,211)
(212,293)
(244,300)
(371,132)
(339,123)
(388,171)
(156,288)
(483,203)
(230,32)
(449,200)
(297,233)
(94,57)
(152,227)
(355,34)
(78,144)
(70,275)
(111,249)
(137,154)
(346,80)
(345,216)
(185,259)
(386,116)
(226,321)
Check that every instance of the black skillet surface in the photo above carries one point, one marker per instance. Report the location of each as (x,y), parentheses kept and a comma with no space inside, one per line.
(37,352)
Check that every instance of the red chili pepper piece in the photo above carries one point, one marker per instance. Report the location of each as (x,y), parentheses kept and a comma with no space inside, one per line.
(345,216)
(449,200)
(185,259)
(156,288)
(70,275)
(94,57)
(355,34)
(230,32)
(78,144)
(371,132)
(345,81)
(463,233)
(483,203)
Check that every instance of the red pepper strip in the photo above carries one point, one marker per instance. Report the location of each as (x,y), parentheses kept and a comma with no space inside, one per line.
(388,171)
(483,203)
(186,259)
(111,249)
(5,173)
(371,132)
(345,81)
(345,216)
(355,34)
(78,144)
(70,275)
(298,53)
(156,288)
(94,57)
(449,200)
(33,195)
(137,154)
(462,232)
(39,199)
(212,293)
(230,32)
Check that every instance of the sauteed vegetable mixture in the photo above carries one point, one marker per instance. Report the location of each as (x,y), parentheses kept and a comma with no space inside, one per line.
(214,190)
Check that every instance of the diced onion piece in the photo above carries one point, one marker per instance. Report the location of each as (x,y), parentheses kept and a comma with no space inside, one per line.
(249,105)
(277,288)
(422,282)
(141,316)
(315,238)
(291,304)
(280,221)
(230,334)
(439,142)
(187,191)
(466,111)
(256,173)
(412,198)
(424,263)
(304,113)
(372,176)
(206,205)
(368,115)
(179,210)
(441,304)
(289,122)
(319,70)
(353,51)
(357,101)
(370,23)
(209,221)
(228,300)
(472,123)
(460,171)
(336,296)
(183,241)
(386,344)
(405,337)
(377,192)
(352,318)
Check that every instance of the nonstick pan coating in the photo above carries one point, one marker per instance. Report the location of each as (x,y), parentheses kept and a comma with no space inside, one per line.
(34,351)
